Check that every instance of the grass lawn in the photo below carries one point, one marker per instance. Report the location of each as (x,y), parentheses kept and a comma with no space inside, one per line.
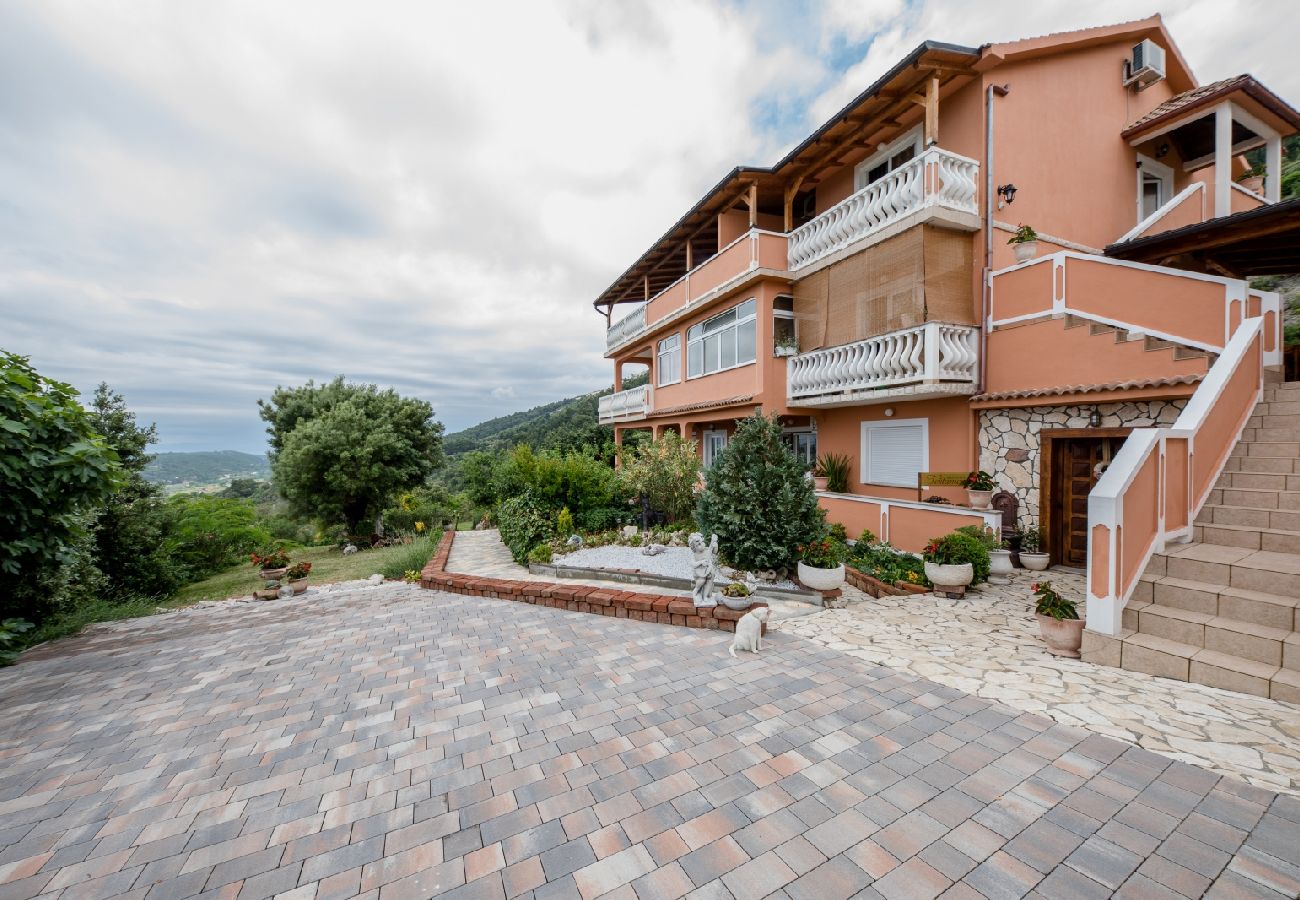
(327,564)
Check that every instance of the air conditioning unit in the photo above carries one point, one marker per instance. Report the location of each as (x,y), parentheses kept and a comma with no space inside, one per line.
(1147,65)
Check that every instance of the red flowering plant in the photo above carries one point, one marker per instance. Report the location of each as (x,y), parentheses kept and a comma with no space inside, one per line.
(979,481)
(1050,603)
(823,553)
(270,558)
(298,570)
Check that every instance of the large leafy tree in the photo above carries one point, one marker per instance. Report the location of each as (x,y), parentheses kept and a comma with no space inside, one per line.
(342,451)
(757,500)
(54,470)
(131,530)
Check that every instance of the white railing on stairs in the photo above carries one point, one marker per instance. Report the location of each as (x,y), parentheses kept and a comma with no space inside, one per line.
(936,177)
(931,353)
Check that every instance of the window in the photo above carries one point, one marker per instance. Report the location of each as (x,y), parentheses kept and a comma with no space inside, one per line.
(890,157)
(669,360)
(714,443)
(784,339)
(723,342)
(1155,186)
(895,451)
(803,445)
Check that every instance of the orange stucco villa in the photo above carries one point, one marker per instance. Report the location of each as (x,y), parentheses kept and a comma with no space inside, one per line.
(863,288)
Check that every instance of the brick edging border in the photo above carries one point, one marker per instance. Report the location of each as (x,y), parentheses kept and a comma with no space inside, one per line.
(877,588)
(666,609)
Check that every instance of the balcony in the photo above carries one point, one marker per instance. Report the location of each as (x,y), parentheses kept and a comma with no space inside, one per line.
(625,406)
(931,360)
(936,180)
(756,251)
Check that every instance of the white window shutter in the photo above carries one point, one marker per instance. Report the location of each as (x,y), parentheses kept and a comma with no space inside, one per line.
(895,452)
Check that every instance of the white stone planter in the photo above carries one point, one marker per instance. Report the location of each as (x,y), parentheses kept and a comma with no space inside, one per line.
(1025,251)
(1035,562)
(1000,567)
(1062,636)
(978,499)
(951,576)
(822,579)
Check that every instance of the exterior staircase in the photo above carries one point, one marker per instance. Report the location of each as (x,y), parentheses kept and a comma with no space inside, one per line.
(1149,343)
(1224,610)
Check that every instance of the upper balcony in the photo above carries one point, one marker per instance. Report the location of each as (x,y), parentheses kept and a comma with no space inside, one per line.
(937,182)
(753,253)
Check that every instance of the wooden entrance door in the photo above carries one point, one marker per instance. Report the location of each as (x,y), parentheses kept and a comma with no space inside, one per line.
(1076,462)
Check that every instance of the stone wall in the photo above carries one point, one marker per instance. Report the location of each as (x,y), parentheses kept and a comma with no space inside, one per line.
(1010,445)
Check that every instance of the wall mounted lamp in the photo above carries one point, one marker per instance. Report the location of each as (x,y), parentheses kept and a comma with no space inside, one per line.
(1094,418)
(1007,193)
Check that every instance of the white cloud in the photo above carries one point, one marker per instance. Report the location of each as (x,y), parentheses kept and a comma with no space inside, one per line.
(203,201)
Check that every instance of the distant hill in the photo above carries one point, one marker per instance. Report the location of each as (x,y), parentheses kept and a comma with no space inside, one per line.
(206,467)
(562,424)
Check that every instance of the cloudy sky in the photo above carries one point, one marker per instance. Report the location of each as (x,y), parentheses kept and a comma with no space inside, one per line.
(200,201)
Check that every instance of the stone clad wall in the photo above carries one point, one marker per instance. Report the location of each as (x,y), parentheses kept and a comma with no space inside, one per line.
(1010,445)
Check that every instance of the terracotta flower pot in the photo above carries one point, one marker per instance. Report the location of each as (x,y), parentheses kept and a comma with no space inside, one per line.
(299,585)
(1036,562)
(819,483)
(274,574)
(1062,636)
(978,499)
(821,579)
(266,594)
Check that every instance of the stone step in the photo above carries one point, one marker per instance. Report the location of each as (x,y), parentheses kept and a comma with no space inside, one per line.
(1275,449)
(1255,498)
(1276,540)
(1186,662)
(1255,570)
(1261,465)
(1279,407)
(1259,481)
(1256,607)
(1247,640)
(1221,514)
(1271,433)
(1264,420)
(1288,390)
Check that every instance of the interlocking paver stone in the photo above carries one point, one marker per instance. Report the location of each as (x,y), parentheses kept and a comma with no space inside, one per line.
(392,742)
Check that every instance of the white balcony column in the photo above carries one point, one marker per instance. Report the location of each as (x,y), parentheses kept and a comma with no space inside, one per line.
(1222,160)
(1273,169)
(931,373)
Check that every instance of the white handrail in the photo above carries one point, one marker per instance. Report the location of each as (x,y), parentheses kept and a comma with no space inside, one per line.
(631,324)
(1163,211)
(936,177)
(625,406)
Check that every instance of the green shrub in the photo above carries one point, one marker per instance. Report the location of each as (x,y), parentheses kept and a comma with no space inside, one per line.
(411,557)
(604,519)
(835,468)
(564,523)
(540,554)
(757,500)
(960,547)
(524,524)
(665,473)
(11,631)
(1050,603)
(210,534)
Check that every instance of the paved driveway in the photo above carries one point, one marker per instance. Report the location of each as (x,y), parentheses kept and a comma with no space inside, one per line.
(403,743)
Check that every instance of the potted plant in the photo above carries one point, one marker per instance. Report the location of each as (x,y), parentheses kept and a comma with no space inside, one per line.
(297,575)
(1032,555)
(1025,243)
(954,561)
(1000,567)
(737,596)
(785,345)
(820,566)
(979,489)
(269,590)
(820,478)
(1058,621)
(272,561)
(836,467)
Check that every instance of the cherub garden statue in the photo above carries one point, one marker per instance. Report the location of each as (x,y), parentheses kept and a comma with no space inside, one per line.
(704,569)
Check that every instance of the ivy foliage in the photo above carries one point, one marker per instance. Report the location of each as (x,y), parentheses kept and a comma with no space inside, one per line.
(524,525)
(757,500)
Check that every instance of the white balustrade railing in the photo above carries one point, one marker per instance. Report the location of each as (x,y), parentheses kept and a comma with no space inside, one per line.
(626,327)
(624,406)
(936,177)
(931,353)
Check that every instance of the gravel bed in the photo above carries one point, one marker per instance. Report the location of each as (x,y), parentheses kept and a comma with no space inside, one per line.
(674,562)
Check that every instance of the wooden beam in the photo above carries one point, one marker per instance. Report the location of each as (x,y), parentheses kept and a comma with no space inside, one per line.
(753,204)
(932,111)
(791,190)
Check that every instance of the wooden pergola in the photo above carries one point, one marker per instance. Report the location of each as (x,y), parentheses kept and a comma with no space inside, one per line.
(928,73)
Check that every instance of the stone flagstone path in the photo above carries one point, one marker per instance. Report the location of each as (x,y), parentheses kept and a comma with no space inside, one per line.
(396,742)
(988,645)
